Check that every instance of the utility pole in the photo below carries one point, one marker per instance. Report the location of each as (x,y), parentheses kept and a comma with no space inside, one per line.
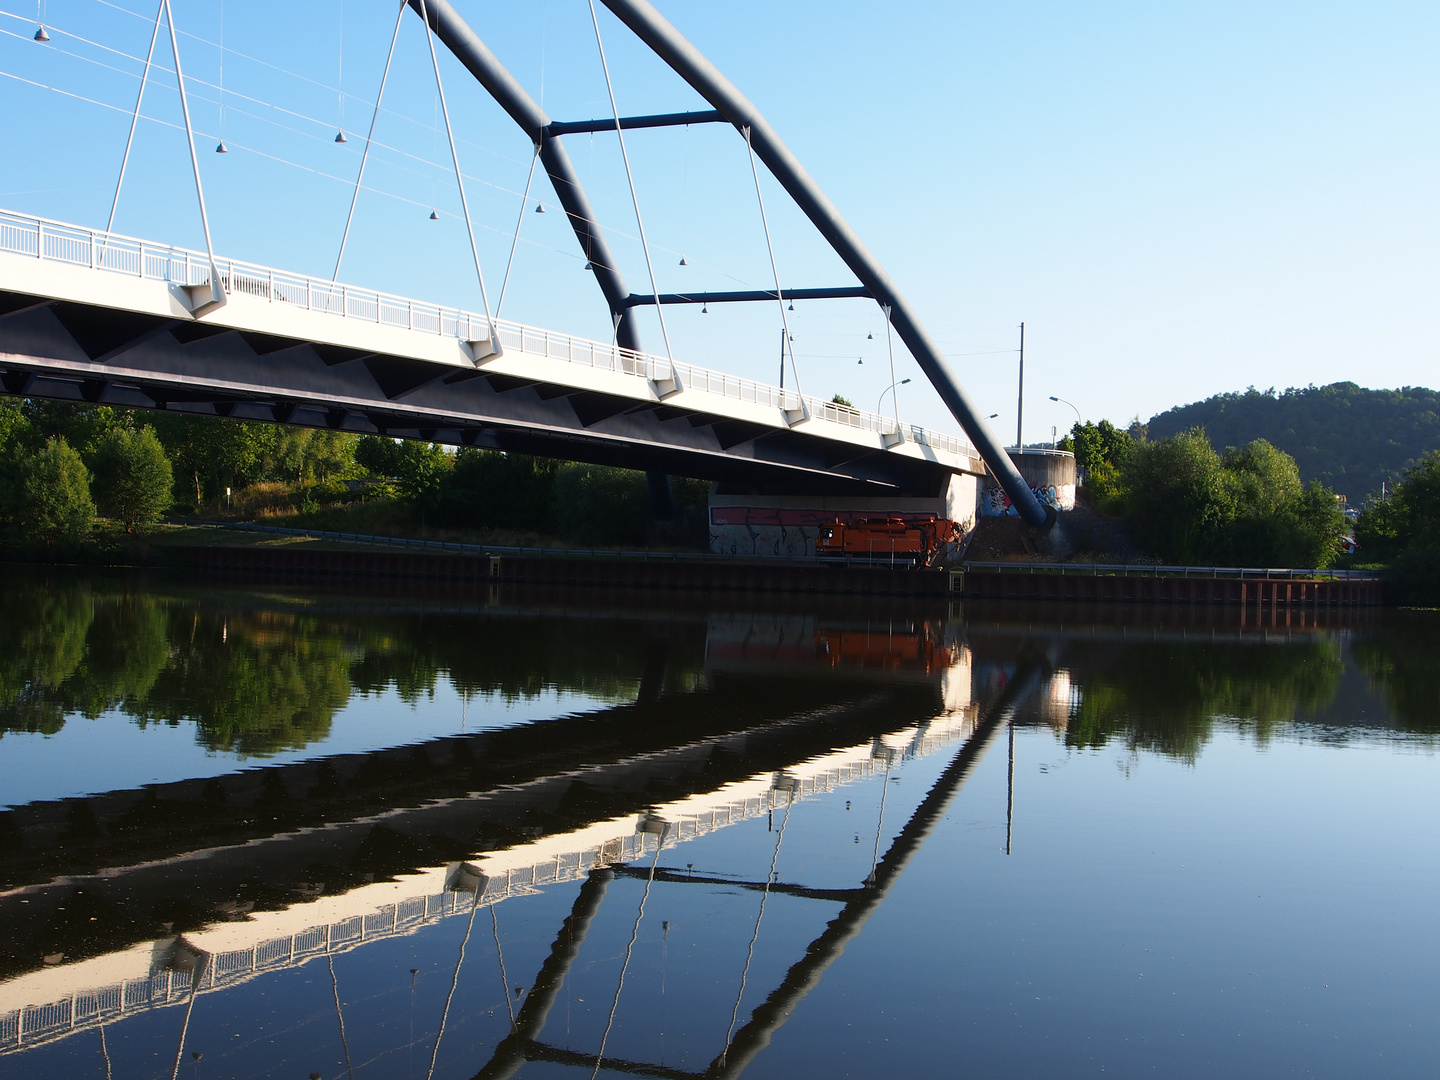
(782,358)
(1020,406)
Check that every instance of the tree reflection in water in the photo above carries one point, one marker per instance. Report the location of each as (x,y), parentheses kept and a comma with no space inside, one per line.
(256,679)
(258,676)
(1167,697)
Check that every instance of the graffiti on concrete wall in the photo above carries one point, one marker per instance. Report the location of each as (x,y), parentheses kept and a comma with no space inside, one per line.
(995,503)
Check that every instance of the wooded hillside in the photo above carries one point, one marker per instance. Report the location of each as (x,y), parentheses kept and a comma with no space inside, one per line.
(1343,435)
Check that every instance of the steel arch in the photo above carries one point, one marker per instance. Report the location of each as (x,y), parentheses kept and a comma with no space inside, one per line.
(661,37)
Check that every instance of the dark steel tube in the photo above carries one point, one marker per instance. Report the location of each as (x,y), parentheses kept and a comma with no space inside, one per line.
(467,47)
(848,292)
(681,119)
(671,46)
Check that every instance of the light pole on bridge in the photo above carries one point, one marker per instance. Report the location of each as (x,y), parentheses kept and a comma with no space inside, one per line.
(887,390)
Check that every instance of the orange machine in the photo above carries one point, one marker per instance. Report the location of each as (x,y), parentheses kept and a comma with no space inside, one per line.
(888,539)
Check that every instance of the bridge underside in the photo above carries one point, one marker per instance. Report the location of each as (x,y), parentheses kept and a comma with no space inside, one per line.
(69,351)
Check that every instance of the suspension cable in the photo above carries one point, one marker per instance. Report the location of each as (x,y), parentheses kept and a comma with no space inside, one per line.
(135,119)
(217,291)
(755,936)
(504,978)
(369,138)
(524,202)
(880,818)
(339,1015)
(634,198)
(454,982)
(197,972)
(630,948)
(459,179)
(775,270)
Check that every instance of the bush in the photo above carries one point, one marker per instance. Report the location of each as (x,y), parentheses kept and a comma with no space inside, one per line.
(133,479)
(490,490)
(55,488)
(596,504)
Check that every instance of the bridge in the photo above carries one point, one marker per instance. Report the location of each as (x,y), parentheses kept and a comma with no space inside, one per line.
(88,315)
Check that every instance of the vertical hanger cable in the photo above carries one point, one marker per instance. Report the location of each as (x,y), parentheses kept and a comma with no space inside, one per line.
(135,118)
(459,177)
(369,139)
(515,240)
(775,270)
(634,198)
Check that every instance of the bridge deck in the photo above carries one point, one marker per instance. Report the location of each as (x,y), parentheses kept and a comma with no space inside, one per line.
(96,316)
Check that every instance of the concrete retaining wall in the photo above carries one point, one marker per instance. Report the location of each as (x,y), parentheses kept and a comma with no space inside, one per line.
(786,526)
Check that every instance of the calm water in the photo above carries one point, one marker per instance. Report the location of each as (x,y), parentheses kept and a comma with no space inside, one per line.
(276,833)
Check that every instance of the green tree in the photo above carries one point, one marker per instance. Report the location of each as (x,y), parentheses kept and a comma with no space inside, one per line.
(17,439)
(84,427)
(597,504)
(209,453)
(1342,435)
(1178,496)
(420,470)
(1100,450)
(492,490)
(1266,479)
(297,454)
(1279,521)
(56,500)
(1404,532)
(133,478)
(378,456)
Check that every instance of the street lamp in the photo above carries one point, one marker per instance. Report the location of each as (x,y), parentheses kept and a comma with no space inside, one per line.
(886,391)
(1071,404)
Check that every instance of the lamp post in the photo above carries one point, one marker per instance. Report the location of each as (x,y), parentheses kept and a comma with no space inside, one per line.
(887,390)
(1062,401)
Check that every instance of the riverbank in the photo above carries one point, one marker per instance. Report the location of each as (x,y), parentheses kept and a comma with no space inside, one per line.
(248,550)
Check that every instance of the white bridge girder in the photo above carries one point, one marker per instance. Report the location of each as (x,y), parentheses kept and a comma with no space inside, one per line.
(86,315)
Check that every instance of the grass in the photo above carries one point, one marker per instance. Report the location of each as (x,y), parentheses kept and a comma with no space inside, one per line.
(375,511)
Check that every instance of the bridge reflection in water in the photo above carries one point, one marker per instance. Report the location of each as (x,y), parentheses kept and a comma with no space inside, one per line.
(271,869)
(179,915)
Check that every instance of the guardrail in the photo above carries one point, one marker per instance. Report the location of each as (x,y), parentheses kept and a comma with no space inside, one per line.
(1148,570)
(73,245)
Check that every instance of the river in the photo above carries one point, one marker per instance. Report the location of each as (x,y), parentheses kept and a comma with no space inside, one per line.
(261,830)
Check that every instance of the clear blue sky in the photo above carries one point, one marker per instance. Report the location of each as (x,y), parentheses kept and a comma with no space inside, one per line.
(1177,199)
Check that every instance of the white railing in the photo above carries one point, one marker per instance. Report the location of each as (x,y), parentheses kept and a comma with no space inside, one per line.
(55,241)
